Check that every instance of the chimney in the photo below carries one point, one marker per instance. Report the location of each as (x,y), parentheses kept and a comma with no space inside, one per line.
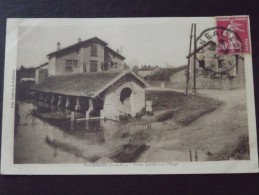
(58,46)
(79,40)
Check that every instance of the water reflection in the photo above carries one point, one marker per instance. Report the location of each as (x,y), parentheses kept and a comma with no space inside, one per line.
(49,136)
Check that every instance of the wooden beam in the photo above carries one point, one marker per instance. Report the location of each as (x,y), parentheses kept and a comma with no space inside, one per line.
(188,65)
(194,61)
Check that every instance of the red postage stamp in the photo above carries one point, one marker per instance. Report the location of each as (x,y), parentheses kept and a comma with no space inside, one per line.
(234,34)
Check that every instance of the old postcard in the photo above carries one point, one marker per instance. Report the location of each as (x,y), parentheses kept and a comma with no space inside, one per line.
(129,96)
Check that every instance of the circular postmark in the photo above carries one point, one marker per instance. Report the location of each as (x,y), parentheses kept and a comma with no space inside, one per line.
(226,40)
(218,49)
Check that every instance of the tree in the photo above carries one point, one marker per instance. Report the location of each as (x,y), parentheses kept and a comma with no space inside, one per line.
(135,69)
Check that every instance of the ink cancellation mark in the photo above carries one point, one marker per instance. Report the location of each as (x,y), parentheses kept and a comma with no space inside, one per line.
(219,37)
(231,35)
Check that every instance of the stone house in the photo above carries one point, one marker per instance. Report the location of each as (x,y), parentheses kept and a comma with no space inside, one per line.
(216,71)
(91,55)
(178,77)
(106,95)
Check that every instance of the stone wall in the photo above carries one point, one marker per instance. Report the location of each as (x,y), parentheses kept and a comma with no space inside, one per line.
(178,80)
(113,107)
(235,79)
(87,57)
(52,65)
(61,62)
(118,64)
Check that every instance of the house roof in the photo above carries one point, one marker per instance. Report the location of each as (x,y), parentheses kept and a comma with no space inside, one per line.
(115,53)
(164,74)
(148,68)
(82,84)
(43,71)
(175,70)
(201,48)
(78,44)
(42,65)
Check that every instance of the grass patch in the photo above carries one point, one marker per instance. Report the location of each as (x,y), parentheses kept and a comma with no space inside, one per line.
(188,108)
(194,107)
(165,116)
(164,100)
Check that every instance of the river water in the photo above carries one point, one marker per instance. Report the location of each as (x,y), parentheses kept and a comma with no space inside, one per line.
(43,141)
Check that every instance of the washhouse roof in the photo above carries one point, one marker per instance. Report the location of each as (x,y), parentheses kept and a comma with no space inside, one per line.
(82,84)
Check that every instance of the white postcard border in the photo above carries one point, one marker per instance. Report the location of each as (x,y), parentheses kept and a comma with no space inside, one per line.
(7,166)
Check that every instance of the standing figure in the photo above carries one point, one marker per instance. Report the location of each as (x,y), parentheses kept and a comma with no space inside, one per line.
(149,106)
(234,43)
(149,110)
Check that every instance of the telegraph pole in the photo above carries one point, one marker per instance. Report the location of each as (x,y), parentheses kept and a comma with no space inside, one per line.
(194,61)
(188,65)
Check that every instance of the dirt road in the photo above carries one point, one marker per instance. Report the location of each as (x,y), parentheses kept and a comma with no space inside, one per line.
(213,134)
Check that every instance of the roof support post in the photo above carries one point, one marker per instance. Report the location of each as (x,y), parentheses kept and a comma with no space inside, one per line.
(90,109)
(102,114)
(72,116)
(60,100)
(47,98)
(194,61)
(53,99)
(87,115)
(67,102)
(188,65)
(78,106)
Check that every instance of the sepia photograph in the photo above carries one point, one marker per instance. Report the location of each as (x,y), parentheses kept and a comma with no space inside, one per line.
(174,94)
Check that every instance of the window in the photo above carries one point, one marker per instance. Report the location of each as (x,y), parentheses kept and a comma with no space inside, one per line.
(75,63)
(93,49)
(201,63)
(93,66)
(84,67)
(69,66)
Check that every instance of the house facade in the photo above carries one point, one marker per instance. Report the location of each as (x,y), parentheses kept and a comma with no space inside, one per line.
(41,73)
(216,71)
(178,77)
(92,55)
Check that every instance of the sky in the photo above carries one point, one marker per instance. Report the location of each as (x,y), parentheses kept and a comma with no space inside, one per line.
(144,41)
